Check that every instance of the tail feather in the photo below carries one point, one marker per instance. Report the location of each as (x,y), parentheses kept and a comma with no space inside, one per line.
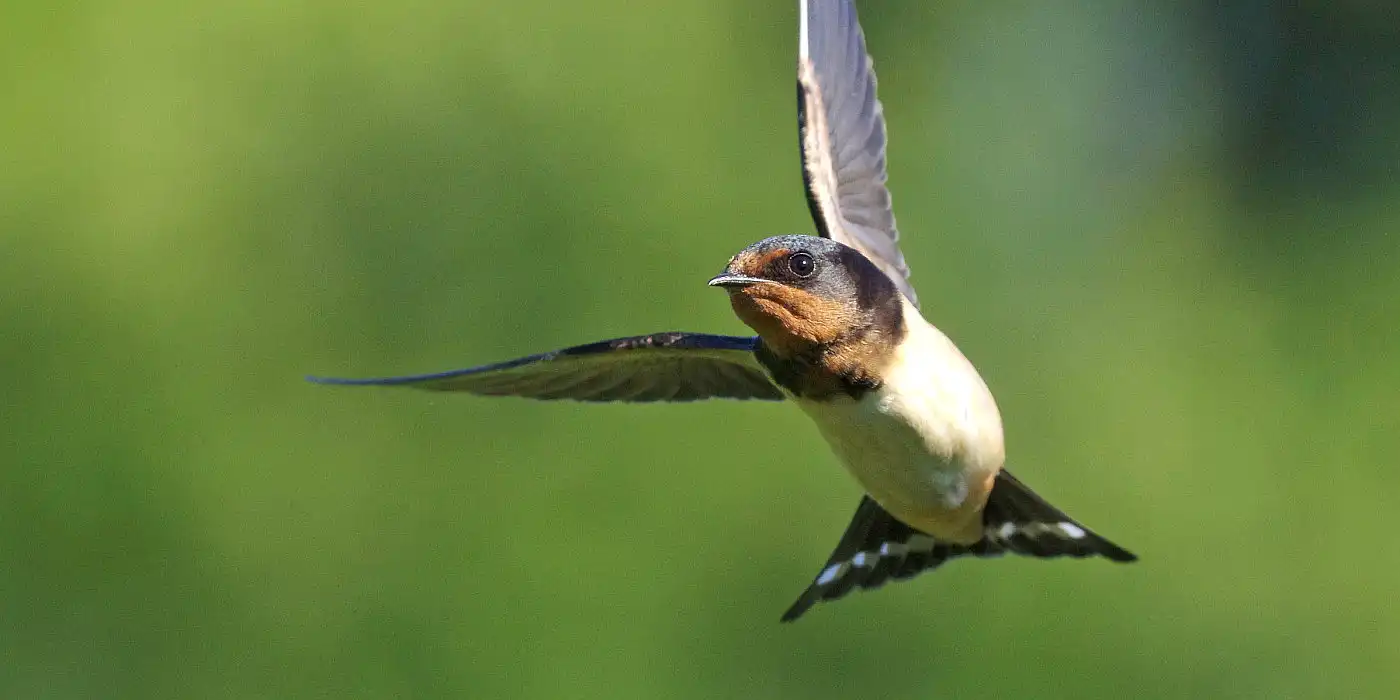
(1019,521)
(877,547)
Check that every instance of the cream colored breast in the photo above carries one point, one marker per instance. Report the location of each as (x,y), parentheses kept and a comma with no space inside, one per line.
(928,442)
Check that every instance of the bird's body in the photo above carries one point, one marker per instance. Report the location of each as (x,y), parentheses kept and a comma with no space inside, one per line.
(926,444)
(898,403)
(839,333)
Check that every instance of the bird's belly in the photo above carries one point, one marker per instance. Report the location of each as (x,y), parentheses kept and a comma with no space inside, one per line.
(912,463)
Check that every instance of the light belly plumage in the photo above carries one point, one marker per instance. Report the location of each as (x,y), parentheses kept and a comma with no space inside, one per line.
(926,444)
(934,490)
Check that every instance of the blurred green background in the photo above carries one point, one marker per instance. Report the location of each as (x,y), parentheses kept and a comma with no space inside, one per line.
(1167,236)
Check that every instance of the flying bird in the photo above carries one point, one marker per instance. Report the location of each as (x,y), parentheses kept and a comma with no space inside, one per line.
(840,334)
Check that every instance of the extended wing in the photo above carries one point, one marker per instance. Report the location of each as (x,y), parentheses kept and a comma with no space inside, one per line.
(656,367)
(842,128)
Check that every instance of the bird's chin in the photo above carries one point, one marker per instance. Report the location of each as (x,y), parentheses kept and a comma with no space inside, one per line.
(746,308)
(764,316)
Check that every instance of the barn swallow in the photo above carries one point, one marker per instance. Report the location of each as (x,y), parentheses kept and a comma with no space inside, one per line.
(840,334)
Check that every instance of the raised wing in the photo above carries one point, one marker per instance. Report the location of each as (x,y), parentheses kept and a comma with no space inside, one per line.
(842,129)
(656,367)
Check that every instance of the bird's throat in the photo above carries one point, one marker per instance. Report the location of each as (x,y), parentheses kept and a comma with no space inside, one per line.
(817,348)
(791,321)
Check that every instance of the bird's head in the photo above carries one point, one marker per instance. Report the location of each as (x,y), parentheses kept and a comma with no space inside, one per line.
(797,292)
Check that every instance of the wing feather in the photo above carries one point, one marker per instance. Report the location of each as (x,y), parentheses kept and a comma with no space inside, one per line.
(842,130)
(644,368)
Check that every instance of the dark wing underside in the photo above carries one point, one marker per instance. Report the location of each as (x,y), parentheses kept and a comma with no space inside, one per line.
(842,130)
(877,548)
(656,367)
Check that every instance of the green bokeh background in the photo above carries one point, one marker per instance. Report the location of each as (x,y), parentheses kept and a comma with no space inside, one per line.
(1192,340)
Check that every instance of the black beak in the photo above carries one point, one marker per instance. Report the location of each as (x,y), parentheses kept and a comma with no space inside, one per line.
(725,279)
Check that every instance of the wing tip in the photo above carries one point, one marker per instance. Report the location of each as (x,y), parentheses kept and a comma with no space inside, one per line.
(804,48)
(331,381)
(366,381)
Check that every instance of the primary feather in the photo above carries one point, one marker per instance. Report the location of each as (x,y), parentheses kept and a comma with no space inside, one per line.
(656,367)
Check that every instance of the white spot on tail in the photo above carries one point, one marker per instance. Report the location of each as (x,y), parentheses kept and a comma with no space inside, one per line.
(831,573)
(891,549)
(1006,531)
(858,559)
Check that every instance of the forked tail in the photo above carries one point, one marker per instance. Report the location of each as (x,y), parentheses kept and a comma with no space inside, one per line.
(877,548)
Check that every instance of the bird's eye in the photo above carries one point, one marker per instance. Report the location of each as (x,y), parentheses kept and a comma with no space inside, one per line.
(801,264)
